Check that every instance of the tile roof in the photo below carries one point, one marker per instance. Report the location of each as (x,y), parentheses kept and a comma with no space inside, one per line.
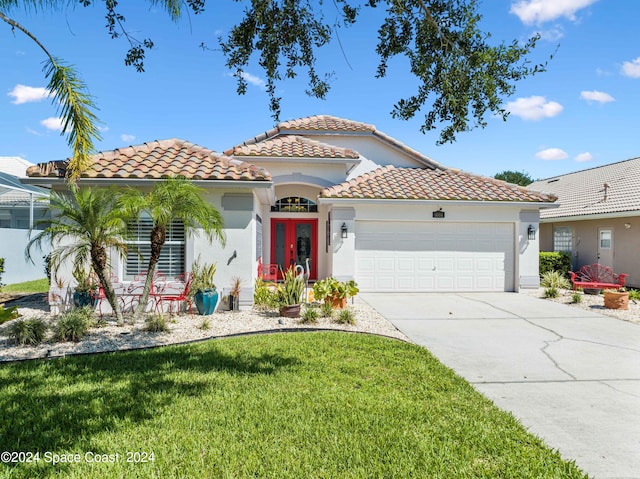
(390,182)
(159,159)
(292,146)
(584,192)
(331,125)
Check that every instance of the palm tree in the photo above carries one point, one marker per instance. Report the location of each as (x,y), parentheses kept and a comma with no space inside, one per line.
(84,226)
(173,199)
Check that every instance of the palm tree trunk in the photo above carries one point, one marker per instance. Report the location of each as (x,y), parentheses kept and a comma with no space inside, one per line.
(158,236)
(99,261)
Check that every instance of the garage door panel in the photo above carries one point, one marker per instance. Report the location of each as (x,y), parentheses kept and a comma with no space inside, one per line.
(433,256)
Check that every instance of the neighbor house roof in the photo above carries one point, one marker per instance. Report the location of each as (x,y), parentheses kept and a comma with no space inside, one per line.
(14,165)
(13,192)
(159,159)
(332,125)
(292,146)
(394,183)
(603,190)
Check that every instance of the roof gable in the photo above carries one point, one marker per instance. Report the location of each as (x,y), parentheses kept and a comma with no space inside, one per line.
(332,125)
(292,146)
(159,159)
(613,188)
(394,183)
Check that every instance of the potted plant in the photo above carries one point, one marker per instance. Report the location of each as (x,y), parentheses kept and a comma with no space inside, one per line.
(290,293)
(205,295)
(85,288)
(335,292)
(234,294)
(616,299)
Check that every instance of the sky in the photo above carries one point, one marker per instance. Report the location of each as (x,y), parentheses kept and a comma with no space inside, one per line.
(580,113)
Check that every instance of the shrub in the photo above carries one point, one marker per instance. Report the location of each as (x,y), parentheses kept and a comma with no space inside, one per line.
(551,292)
(326,310)
(156,323)
(73,325)
(554,279)
(309,315)
(346,316)
(8,314)
(555,261)
(263,296)
(1,271)
(205,325)
(634,294)
(576,297)
(28,331)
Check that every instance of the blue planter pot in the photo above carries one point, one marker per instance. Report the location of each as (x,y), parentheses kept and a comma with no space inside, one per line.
(82,299)
(206,301)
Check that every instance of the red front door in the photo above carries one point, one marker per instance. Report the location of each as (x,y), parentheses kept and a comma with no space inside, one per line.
(294,242)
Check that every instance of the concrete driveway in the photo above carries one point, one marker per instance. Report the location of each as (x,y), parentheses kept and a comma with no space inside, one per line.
(572,377)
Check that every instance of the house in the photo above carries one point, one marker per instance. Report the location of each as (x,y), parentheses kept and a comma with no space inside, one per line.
(342,197)
(20,206)
(598,217)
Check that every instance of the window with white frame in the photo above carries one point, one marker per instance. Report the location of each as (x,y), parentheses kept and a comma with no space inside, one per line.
(172,258)
(562,238)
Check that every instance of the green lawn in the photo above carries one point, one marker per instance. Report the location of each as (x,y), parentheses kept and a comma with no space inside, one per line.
(35,286)
(299,405)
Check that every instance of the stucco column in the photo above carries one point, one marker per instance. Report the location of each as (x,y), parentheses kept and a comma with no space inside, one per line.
(529,257)
(343,248)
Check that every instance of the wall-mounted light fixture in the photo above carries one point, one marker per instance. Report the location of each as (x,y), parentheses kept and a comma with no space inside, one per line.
(627,225)
(531,232)
(343,231)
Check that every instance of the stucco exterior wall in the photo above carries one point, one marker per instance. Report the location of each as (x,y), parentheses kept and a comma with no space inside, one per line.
(626,244)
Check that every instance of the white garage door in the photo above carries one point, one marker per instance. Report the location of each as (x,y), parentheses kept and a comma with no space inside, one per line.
(434,256)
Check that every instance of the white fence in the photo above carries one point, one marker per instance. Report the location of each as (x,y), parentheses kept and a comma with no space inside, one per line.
(16,268)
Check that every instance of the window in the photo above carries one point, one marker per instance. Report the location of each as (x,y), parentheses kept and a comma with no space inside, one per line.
(172,257)
(295,204)
(605,239)
(562,238)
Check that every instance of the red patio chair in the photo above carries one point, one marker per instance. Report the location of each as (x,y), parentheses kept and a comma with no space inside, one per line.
(267,272)
(168,292)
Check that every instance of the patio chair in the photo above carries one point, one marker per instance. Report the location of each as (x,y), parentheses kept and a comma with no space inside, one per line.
(173,292)
(267,272)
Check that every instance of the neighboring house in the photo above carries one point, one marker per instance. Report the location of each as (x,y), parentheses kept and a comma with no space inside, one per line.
(343,197)
(20,206)
(598,218)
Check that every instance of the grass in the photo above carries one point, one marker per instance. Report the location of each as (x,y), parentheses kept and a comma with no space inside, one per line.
(35,286)
(312,405)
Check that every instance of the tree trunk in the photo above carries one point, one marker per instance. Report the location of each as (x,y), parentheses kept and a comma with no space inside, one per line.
(158,237)
(99,260)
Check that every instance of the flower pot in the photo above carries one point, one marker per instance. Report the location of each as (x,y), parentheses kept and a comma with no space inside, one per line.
(290,311)
(616,300)
(206,301)
(337,303)
(82,299)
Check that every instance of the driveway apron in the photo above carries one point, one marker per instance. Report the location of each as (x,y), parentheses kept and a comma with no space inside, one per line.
(571,376)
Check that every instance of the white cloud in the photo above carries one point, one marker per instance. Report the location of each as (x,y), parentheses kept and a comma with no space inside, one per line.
(594,95)
(103,129)
(582,157)
(127,138)
(552,34)
(534,108)
(52,123)
(540,11)
(552,154)
(27,94)
(254,80)
(632,68)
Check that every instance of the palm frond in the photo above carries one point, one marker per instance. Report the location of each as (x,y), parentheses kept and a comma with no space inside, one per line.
(80,123)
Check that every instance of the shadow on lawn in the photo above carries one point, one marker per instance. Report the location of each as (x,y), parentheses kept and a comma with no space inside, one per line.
(59,405)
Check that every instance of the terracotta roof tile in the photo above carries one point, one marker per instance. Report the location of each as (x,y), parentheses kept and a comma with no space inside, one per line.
(584,193)
(330,125)
(292,146)
(159,159)
(427,184)
(325,123)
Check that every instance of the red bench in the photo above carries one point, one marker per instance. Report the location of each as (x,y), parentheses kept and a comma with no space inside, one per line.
(597,276)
